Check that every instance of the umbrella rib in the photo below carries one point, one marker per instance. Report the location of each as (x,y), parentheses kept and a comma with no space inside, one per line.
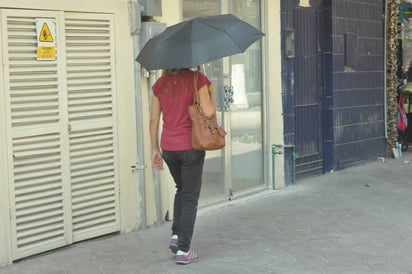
(226,32)
(234,41)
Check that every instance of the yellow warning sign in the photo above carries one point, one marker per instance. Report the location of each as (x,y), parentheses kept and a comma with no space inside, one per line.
(46,43)
(45,34)
(46,53)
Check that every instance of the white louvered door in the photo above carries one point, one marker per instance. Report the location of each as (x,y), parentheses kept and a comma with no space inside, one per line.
(90,88)
(61,130)
(36,138)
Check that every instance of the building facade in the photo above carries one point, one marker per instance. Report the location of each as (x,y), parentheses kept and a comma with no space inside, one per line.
(75,153)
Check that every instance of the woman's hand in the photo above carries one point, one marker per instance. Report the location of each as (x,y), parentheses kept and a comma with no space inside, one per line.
(157,160)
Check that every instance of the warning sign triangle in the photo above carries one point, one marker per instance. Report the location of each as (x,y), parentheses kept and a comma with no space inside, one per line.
(45,34)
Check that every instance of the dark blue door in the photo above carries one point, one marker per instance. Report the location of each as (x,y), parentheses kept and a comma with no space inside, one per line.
(308,93)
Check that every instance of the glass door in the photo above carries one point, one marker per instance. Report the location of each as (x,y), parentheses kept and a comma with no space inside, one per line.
(245,115)
(238,80)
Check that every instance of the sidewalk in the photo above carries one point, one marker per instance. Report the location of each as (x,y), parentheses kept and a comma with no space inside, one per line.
(358,220)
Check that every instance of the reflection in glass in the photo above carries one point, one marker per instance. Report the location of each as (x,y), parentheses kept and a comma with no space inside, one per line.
(246,110)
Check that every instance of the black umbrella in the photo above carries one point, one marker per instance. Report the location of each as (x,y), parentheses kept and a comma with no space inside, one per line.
(198,41)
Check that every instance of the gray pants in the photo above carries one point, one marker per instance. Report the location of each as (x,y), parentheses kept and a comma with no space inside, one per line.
(186,168)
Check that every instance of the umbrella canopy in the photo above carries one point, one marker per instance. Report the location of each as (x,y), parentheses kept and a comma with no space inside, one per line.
(198,41)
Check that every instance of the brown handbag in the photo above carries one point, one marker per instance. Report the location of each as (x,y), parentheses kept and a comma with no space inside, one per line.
(206,132)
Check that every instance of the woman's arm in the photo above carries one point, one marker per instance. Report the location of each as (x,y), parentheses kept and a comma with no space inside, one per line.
(207,99)
(155,110)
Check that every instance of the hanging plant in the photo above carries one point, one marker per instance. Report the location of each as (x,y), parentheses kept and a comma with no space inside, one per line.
(392,47)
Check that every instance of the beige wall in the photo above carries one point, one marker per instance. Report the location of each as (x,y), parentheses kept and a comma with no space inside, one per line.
(273,84)
(126,118)
(125,105)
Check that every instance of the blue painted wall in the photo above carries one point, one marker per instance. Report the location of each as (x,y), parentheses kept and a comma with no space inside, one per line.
(355,111)
(353,95)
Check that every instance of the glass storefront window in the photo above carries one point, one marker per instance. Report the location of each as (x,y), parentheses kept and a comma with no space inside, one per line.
(238,82)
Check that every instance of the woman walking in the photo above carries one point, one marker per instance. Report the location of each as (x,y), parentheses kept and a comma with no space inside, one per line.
(172,95)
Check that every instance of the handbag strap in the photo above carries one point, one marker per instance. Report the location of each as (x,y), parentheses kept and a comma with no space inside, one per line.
(196,92)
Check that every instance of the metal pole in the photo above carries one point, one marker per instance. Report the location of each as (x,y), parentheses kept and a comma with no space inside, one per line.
(140,167)
(135,20)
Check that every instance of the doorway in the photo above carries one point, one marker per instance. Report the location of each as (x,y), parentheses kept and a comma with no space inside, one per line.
(238,169)
(308,106)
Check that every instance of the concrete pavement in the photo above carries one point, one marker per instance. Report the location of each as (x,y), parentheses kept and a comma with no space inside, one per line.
(358,220)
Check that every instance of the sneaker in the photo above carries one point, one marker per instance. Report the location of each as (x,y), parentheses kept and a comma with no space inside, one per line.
(186,257)
(173,244)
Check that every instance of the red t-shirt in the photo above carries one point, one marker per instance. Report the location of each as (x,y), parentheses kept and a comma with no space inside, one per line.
(175,93)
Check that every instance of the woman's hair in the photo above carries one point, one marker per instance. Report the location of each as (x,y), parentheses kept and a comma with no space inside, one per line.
(174,71)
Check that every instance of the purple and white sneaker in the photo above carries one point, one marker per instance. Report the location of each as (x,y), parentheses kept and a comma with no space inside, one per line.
(186,257)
